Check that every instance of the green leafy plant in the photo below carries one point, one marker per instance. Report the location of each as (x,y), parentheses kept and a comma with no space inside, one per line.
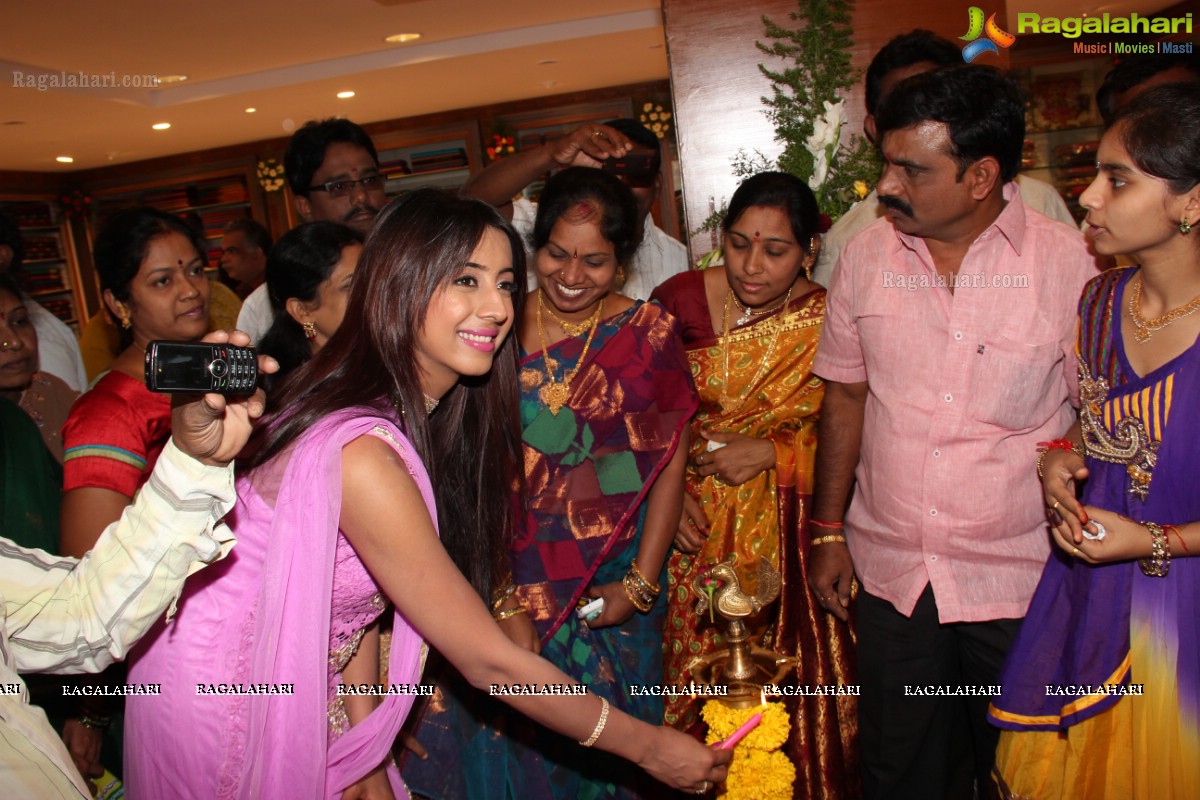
(807,109)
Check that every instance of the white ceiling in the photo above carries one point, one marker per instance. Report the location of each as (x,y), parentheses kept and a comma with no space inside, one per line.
(288,59)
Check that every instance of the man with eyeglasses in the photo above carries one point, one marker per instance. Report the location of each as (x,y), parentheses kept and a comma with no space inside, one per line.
(658,256)
(333,171)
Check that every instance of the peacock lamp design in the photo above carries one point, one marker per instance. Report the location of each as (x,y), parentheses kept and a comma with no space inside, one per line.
(742,667)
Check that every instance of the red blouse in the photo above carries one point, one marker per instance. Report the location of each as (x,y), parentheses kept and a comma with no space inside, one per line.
(114,435)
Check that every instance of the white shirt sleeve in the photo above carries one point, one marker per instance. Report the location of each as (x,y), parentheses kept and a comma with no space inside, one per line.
(63,615)
(256,316)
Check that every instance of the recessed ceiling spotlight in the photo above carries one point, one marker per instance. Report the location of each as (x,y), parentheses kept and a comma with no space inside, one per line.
(402,38)
(65,160)
(161,126)
(251,110)
(345,95)
(171,79)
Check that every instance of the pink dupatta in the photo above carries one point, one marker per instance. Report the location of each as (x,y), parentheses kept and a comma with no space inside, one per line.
(284,751)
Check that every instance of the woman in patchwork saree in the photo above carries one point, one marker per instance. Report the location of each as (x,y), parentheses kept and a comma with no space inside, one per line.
(605,401)
(1101,691)
(751,330)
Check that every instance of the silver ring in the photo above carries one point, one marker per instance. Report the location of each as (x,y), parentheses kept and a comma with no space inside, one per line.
(1055,506)
(704,787)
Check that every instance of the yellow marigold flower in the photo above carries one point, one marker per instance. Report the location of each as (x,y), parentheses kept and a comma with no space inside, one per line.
(758,775)
(861,189)
(769,735)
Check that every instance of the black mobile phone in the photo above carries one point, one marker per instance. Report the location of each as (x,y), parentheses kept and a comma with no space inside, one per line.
(200,367)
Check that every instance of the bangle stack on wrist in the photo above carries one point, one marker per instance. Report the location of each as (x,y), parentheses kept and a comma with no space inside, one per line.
(1056,444)
(501,595)
(1159,562)
(641,592)
(836,537)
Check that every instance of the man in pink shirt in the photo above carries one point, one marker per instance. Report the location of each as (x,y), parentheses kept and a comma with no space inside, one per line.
(948,351)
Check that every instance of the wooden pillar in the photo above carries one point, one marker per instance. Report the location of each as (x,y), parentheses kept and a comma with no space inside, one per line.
(716,85)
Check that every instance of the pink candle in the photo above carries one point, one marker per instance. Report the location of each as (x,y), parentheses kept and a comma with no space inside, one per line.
(741,732)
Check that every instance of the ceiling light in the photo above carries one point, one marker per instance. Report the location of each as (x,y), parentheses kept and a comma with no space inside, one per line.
(251,110)
(345,95)
(402,38)
(545,61)
(161,126)
(65,160)
(172,79)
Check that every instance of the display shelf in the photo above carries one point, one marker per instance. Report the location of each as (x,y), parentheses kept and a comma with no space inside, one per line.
(1062,125)
(214,199)
(49,271)
(425,160)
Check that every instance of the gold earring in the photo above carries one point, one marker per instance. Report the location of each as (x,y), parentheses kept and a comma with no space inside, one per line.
(620,276)
(310,330)
(125,323)
(1185,226)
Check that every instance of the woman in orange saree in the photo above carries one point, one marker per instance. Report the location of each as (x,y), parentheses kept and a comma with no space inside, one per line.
(751,330)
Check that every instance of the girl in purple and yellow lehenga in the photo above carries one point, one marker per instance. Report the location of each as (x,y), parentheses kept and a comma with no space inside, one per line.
(1101,691)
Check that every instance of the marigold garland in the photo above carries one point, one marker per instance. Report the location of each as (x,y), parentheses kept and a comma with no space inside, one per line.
(759,775)
(770,734)
(758,771)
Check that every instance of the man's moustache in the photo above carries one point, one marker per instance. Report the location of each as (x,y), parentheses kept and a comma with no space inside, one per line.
(896,204)
(354,212)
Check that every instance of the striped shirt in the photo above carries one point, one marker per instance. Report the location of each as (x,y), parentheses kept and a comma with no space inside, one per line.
(65,615)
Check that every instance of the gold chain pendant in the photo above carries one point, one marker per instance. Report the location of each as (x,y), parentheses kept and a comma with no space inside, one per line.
(554,395)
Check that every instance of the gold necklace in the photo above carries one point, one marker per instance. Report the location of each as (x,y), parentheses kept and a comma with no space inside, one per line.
(725,329)
(749,313)
(554,394)
(1145,328)
(571,329)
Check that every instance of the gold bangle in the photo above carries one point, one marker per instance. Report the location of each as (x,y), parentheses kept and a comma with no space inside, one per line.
(642,601)
(1159,562)
(654,587)
(1041,462)
(511,612)
(831,538)
(502,595)
(600,723)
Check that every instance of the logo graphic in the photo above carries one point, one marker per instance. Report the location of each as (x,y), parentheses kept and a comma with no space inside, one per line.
(995,35)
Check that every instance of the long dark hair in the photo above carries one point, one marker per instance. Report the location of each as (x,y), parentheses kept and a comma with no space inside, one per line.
(471,445)
(299,263)
(1160,129)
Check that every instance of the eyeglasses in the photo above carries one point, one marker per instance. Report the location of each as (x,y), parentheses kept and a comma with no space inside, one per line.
(341,188)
